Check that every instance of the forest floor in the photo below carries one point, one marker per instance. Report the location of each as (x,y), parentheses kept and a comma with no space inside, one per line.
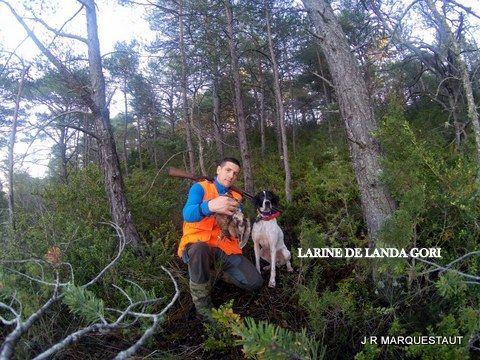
(182,335)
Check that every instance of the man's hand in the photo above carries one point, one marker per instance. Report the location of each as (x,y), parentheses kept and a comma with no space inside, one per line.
(223,205)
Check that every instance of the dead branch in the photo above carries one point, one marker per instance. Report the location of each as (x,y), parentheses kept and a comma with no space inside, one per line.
(137,310)
(59,32)
(448,267)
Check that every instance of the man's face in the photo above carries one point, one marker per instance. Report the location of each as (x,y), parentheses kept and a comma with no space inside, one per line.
(227,174)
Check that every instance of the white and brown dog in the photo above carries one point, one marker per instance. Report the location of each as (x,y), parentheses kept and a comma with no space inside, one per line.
(267,236)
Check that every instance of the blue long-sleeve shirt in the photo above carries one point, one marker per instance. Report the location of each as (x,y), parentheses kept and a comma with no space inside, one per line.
(195,203)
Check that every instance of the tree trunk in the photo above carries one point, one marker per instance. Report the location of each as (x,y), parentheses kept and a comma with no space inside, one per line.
(214,65)
(108,155)
(199,137)
(62,145)
(280,110)
(256,97)
(293,117)
(155,137)
(139,142)
(357,114)
(125,154)
(86,142)
(203,169)
(188,125)
(278,136)
(294,141)
(324,84)
(242,133)
(171,115)
(452,103)
(11,147)
(217,129)
(261,80)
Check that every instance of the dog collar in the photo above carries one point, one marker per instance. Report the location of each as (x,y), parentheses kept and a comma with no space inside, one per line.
(267,216)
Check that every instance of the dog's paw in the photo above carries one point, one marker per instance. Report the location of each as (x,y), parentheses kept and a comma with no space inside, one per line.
(271,284)
(290,269)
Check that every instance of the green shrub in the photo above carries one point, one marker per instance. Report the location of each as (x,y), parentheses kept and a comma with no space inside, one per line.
(261,340)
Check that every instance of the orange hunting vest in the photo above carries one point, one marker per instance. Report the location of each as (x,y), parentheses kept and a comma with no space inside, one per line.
(207,230)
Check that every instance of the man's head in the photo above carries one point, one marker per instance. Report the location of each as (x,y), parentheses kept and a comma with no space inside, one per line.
(227,171)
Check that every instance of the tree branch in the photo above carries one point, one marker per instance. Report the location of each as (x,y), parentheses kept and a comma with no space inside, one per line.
(11,340)
(467,9)
(323,79)
(74,83)
(147,334)
(59,32)
(448,267)
(79,128)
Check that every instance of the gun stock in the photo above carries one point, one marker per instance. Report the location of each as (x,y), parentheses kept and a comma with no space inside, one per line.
(175,172)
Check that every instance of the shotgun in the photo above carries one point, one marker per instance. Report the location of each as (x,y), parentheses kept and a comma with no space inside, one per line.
(175,172)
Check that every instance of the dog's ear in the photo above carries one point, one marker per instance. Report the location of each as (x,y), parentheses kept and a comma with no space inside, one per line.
(275,200)
(257,201)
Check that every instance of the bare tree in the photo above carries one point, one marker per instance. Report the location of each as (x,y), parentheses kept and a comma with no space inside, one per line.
(11,145)
(261,104)
(238,103)
(217,126)
(186,118)
(464,76)
(280,108)
(357,113)
(445,65)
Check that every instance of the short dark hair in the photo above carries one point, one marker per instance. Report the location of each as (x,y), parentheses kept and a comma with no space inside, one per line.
(229,159)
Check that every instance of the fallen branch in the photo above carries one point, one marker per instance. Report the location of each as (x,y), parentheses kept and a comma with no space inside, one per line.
(448,267)
(12,315)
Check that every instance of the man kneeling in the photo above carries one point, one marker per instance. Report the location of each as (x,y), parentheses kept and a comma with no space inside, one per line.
(202,242)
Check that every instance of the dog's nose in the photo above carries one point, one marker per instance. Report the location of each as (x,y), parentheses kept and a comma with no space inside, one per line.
(267,202)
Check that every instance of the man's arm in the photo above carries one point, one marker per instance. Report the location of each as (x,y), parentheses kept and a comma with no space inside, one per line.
(195,209)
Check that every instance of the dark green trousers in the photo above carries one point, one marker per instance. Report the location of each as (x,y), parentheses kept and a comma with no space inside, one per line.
(237,269)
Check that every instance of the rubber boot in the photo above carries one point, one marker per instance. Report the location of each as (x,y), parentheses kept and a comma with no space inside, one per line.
(202,300)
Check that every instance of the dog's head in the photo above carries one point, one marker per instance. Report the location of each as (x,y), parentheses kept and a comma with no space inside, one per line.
(265,200)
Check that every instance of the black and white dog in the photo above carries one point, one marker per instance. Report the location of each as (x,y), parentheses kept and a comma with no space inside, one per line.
(267,235)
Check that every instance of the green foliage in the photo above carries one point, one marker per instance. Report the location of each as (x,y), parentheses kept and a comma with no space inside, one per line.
(155,200)
(259,339)
(84,303)
(329,306)
(448,327)
(69,216)
(262,340)
(220,338)
(435,188)
(81,198)
(436,192)
(450,285)
(369,352)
